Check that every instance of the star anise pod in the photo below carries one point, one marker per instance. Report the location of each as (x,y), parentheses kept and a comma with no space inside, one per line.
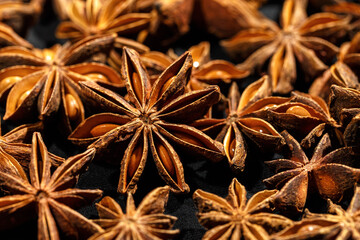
(20,15)
(210,72)
(14,144)
(225,18)
(343,73)
(49,197)
(155,117)
(351,9)
(8,37)
(338,224)
(148,221)
(305,117)
(100,17)
(300,40)
(169,20)
(345,107)
(231,130)
(236,218)
(329,174)
(47,80)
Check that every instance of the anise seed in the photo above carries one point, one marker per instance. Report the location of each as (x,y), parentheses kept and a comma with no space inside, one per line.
(102,129)
(72,107)
(297,110)
(8,81)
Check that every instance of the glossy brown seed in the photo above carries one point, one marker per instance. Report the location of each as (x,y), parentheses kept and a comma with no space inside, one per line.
(218,74)
(22,97)
(261,129)
(309,228)
(134,160)
(166,85)
(232,148)
(137,85)
(6,82)
(101,129)
(297,110)
(72,107)
(165,159)
(97,76)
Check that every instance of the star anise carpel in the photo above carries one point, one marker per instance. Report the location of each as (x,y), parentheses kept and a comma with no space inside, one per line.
(300,41)
(327,173)
(154,118)
(47,80)
(8,37)
(233,129)
(15,143)
(344,72)
(235,217)
(98,17)
(225,18)
(345,107)
(20,15)
(304,116)
(47,196)
(338,223)
(147,221)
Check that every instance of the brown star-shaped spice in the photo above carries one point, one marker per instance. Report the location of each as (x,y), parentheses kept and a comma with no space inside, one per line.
(300,40)
(15,144)
(20,15)
(346,8)
(236,218)
(225,18)
(8,37)
(329,174)
(49,197)
(305,117)
(338,224)
(231,130)
(343,73)
(99,17)
(154,118)
(47,80)
(345,107)
(148,221)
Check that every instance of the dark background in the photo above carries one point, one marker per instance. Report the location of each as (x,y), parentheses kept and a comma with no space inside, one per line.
(199,173)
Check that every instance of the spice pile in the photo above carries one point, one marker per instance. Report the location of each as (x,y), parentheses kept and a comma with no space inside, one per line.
(128,114)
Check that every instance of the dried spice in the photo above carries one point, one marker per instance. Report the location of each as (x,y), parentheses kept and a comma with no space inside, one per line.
(20,15)
(338,224)
(14,144)
(8,37)
(209,72)
(47,79)
(348,9)
(305,117)
(329,174)
(169,20)
(236,218)
(45,195)
(225,18)
(232,129)
(300,40)
(97,18)
(148,221)
(154,119)
(343,73)
(345,107)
